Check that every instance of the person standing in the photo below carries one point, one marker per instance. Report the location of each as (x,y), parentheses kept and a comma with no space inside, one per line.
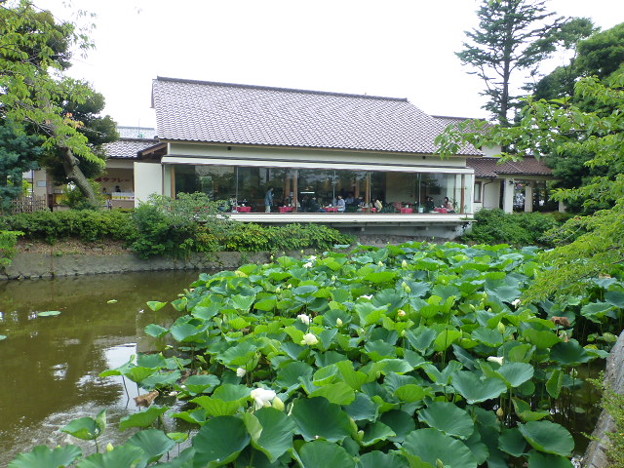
(340,203)
(268,200)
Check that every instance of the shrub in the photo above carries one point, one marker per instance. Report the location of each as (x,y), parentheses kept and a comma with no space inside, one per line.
(496,227)
(85,225)
(8,241)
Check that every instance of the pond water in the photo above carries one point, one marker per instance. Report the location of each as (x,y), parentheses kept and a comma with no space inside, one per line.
(49,366)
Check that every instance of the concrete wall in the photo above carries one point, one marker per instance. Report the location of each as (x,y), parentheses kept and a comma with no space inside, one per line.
(148,180)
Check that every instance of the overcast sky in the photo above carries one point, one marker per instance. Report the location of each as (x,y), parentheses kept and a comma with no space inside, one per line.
(395,48)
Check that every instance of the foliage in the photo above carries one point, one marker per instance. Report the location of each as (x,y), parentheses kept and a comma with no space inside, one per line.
(171,226)
(18,154)
(513,35)
(85,225)
(8,241)
(34,52)
(75,199)
(559,128)
(411,355)
(498,227)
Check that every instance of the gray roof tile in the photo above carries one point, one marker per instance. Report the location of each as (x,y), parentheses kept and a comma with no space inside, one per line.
(491,168)
(127,148)
(254,115)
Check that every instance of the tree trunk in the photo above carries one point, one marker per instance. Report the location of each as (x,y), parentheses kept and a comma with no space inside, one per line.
(74,174)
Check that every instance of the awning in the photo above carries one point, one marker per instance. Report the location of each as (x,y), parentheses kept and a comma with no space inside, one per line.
(315,165)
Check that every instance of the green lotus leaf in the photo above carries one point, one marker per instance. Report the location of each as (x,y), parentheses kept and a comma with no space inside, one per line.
(125,455)
(376,432)
(544,460)
(475,389)
(220,440)
(569,353)
(421,339)
(201,383)
(86,428)
(554,383)
(412,392)
(317,417)
(276,435)
(368,313)
(515,374)
(435,448)
(448,418)
(512,442)
(378,277)
(525,413)
(153,442)
(400,422)
(543,339)
(44,457)
(362,409)
(377,459)
(155,331)
(355,379)
(339,393)
(144,418)
(242,303)
(156,305)
(596,311)
(548,437)
(322,454)
(488,336)
(290,375)
(446,338)
(615,298)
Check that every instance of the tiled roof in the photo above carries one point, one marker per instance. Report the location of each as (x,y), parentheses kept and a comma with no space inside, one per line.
(490,168)
(127,148)
(254,115)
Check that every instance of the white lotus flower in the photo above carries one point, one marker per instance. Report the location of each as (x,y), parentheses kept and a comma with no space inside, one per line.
(262,397)
(305,319)
(312,258)
(240,372)
(307,265)
(516,303)
(496,359)
(401,313)
(369,297)
(309,339)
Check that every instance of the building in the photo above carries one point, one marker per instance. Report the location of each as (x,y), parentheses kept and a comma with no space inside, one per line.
(237,141)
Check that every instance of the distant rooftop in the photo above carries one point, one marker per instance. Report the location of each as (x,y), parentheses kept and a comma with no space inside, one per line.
(491,168)
(210,112)
(137,132)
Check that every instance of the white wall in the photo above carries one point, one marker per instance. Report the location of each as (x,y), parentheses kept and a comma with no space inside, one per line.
(148,180)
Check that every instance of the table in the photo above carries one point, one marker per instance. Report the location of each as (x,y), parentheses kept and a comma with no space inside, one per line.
(407,210)
(285,209)
(331,209)
(244,209)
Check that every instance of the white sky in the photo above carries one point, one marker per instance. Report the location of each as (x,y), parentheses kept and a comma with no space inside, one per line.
(396,48)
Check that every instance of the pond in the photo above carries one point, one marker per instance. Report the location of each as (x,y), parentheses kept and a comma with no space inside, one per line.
(50,365)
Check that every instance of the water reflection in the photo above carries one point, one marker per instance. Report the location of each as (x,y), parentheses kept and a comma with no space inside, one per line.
(50,366)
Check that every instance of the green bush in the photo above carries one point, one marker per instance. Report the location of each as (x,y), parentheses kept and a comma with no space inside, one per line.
(86,225)
(8,241)
(498,227)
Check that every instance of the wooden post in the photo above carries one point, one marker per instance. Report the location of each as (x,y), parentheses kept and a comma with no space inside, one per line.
(368,189)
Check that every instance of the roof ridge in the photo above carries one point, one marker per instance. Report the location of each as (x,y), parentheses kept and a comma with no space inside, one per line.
(272,88)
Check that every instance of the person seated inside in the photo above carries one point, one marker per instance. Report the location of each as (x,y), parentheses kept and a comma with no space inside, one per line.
(314,205)
(378,205)
(429,205)
(448,205)
(340,204)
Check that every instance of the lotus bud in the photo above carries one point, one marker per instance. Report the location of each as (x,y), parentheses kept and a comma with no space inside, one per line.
(338,322)
(109,447)
(500,413)
(240,372)
(404,263)
(303,318)
(501,327)
(360,435)
(401,313)
(271,257)
(262,397)
(289,286)
(380,263)
(496,359)
(334,278)
(309,339)
(406,288)
(278,289)
(278,404)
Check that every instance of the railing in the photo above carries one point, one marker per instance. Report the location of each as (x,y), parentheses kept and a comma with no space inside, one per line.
(29,204)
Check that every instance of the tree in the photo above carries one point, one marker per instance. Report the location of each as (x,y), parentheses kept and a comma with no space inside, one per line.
(600,56)
(18,154)
(513,36)
(596,244)
(33,55)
